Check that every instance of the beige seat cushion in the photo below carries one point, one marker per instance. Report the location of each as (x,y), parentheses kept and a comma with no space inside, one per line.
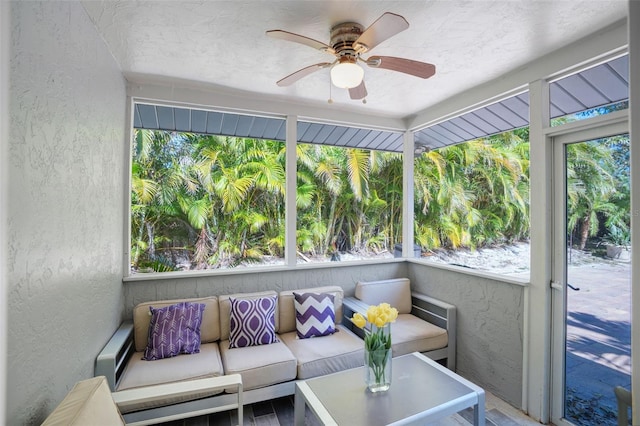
(89,402)
(259,366)
(139,373)
(318,356)
(396,292)
(412,334)
(209,329)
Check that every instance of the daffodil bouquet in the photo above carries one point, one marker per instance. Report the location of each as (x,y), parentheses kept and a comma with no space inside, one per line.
(377,339)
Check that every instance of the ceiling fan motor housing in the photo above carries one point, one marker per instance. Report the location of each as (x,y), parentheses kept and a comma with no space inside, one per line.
(343,36)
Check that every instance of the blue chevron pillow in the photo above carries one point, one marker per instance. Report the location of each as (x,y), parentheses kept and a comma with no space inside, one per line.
(315,315)
(174,330)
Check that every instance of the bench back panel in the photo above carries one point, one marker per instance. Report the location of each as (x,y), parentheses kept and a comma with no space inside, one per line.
(396,292)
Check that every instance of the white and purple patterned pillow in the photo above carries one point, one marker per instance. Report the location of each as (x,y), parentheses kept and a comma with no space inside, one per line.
(174,330)
(252,322)
(315,315)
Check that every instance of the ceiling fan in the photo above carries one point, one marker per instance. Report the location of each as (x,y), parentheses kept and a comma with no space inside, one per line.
(349,40)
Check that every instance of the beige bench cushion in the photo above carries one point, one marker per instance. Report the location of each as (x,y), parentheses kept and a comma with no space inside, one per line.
(139,373)
(225,309)
(288,308)
(89,402)
(259,366)
(209,329)
(396,292)
(318,356)
(412,334)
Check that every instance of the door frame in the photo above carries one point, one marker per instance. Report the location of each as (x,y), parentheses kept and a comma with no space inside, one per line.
(599,127)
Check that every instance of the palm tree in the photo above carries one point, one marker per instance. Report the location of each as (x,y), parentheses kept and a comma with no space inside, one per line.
(590,188)
(157,181)
(244,180)
(473,194)
(220,199)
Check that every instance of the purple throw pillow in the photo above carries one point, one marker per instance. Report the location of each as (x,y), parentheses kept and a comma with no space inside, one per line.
(174,330)
(315,315)
(252,322)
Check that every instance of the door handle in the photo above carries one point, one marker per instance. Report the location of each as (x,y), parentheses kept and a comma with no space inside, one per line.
(556,285)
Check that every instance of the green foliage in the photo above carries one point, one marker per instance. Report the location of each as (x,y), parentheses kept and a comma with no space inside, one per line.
(220,200)
(213,201)
(598,189)
(618,236)
(473,194)
(160,264)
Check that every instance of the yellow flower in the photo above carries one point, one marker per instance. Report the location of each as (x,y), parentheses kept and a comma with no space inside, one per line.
(359,320)
(372,314)
(381,320)
(393,314)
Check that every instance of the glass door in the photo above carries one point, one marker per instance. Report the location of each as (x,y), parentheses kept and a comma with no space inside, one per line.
(591,279)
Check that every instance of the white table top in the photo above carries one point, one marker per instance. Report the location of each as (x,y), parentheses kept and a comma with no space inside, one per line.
(421,391)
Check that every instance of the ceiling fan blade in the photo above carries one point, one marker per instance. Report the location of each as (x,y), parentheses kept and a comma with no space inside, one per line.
(386,26)
(358,92)
(407,66)
(292,78)
(297,38)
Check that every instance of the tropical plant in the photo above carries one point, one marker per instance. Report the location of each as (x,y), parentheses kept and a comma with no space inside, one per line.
(203,201)
(591,191)
(219,200)
(473,194)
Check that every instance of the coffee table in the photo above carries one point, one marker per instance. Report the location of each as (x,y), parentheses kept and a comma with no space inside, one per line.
(422,391)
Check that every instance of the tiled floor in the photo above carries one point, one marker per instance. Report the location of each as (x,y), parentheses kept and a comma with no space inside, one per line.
(280,412)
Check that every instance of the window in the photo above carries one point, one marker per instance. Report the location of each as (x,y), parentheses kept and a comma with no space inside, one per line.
(205,201)
(472,203)
(349,203)
(208,191)
(471,188)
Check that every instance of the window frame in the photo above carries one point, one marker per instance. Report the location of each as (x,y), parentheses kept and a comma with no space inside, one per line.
(291,141)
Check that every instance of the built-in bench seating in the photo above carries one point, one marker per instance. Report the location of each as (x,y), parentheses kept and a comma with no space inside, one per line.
(267,371)
(424,324)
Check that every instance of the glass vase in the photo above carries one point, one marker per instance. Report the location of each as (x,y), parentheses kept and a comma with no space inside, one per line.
(378,362)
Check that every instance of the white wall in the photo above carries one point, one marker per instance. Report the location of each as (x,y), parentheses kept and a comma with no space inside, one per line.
(65,204)
(490,325)
(5,35)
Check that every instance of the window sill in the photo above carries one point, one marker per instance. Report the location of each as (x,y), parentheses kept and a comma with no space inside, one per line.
(154,276)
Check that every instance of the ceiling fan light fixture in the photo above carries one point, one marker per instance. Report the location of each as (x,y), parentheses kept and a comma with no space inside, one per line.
(347,75)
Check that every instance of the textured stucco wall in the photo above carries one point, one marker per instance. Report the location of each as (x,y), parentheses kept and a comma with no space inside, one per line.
(66,164)
(5,36)
(343,275)
(490,316)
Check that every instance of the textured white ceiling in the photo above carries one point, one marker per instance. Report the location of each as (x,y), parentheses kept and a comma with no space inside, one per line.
(224,43)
